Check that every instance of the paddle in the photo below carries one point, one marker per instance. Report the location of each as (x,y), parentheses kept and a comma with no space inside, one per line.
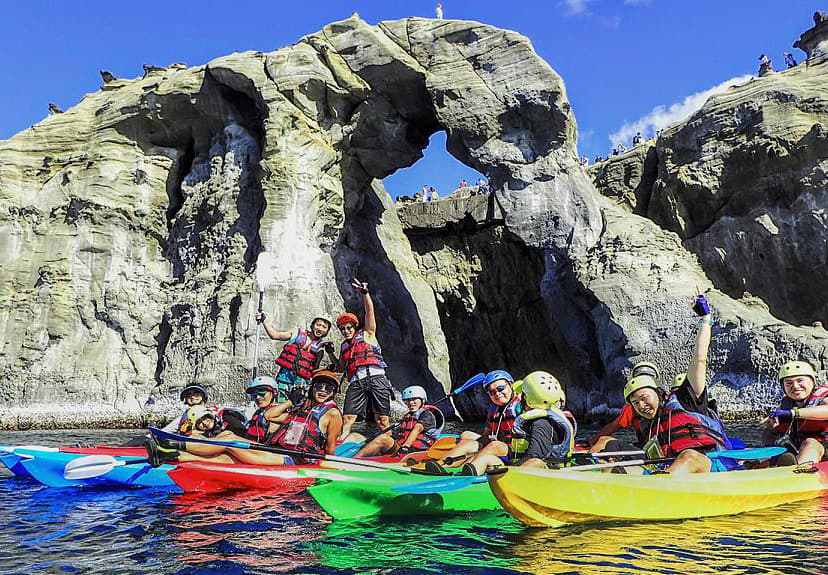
(258,334)
(96,465)
(460,482)
(291,452)
(354,448)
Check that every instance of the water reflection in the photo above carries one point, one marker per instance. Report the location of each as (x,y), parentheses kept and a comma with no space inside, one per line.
(769,541)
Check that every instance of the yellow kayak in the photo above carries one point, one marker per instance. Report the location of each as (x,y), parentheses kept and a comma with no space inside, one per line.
(540,497)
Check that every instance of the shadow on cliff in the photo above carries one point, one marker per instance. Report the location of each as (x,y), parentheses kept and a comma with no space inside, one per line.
(190,130)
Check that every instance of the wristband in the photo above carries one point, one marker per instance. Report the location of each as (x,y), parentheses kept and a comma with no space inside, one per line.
(707,321)
(795,412)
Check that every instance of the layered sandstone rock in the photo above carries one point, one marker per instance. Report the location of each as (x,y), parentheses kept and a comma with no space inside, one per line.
(132,226)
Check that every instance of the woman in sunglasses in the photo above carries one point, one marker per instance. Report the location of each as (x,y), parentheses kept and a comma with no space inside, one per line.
(497,434)
(312,425)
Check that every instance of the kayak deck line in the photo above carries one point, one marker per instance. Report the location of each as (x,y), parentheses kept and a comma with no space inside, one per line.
(548,498)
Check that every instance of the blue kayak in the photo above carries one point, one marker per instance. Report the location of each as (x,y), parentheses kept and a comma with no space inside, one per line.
(47,467)
(13,461)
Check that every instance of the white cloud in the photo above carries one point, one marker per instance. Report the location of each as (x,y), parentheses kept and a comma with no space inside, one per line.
(662,116)
(576,7)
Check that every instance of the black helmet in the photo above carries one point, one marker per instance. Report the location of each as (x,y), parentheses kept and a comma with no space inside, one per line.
(316,319)
(191,388)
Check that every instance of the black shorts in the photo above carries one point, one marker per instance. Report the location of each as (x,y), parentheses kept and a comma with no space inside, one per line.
(373,392)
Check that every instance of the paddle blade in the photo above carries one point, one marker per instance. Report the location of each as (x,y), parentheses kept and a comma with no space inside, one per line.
(749,453)
(471,382)
(442,447)
(349,449)
(441,485)
(90,466)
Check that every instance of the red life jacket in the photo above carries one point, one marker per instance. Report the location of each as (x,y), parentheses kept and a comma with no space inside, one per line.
(805,428)
(258,425)
(499,420)
(677,430)
(428,436)
(301,354)
(356,352)
(302,431)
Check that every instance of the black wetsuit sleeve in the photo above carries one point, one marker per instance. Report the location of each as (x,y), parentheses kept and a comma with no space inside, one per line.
(688,400)
(427,420)
(542,434)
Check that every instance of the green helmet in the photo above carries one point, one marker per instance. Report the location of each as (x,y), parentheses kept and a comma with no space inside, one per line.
(639,382)
(678,381)
(646,368)
(542,390)
(799,367)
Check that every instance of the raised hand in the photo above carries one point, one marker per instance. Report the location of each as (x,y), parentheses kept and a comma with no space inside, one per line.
(362,287)
(700,304)
(260,317)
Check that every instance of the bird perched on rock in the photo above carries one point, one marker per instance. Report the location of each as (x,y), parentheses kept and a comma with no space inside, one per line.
(107,76)
(53,109)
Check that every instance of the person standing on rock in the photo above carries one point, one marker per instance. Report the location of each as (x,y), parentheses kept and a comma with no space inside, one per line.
(439,11)
(790,61)
(301,355)
(361,360)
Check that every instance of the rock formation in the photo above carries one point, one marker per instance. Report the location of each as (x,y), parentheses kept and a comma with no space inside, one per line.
(132,225)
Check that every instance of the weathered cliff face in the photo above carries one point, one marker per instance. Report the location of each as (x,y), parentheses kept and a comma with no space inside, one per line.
(132,225)
(743,183)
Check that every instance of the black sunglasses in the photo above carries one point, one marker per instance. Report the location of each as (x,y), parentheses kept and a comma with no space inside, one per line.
(259,393)
(324,386)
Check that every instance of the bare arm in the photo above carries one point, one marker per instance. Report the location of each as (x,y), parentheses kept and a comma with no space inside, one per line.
(412,435)
(278,413)
(276,334)
(370,324)
(332,427)
(697,371)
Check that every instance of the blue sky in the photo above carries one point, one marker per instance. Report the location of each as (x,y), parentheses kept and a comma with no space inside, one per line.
(621,60)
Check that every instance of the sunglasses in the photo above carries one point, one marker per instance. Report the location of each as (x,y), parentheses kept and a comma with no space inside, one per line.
(255,394)
(329,387)
(498,389)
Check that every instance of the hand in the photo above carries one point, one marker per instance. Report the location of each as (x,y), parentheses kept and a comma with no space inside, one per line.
(782,414)
(701,306)
(329,346)
(362,287)
(260,317)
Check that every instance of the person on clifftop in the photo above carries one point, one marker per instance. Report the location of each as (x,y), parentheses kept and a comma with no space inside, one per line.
(497,432)
(800,423)
(417,431)
(361,360)
(311,425)
(300,356)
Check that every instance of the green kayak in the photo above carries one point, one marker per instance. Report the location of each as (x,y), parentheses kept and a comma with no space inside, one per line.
(355,494)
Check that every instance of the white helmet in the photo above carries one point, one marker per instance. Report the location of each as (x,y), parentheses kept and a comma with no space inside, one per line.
(414,392)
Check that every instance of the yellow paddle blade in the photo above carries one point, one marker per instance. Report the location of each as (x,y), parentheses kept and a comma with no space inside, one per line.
(442,447)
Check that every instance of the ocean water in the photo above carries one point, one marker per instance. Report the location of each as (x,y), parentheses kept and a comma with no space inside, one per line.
(47,530)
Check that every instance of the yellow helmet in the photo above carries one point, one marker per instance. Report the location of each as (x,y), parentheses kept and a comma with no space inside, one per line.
(518,386)
(195,413)
(678,381)
(646,368)
(799,367)
(639,382)
(542,390)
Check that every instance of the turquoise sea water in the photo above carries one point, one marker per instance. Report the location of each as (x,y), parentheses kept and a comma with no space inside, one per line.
(45,530)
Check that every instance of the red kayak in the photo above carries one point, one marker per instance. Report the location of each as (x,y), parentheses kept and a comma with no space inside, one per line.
(206,477)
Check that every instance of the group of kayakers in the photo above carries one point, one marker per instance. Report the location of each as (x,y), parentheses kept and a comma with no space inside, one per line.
(526,424)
